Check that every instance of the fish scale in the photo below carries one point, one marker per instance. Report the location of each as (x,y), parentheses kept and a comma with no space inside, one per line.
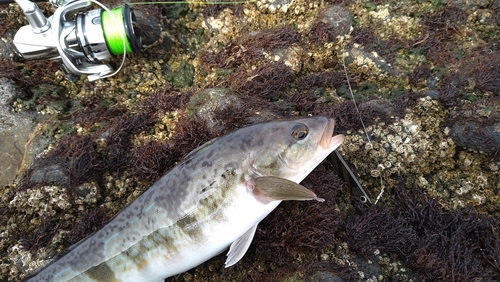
(213,199)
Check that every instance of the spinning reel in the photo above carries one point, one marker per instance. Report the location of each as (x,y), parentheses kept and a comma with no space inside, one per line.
(80,41)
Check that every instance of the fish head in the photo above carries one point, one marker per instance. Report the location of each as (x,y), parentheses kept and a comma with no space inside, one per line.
(292,149)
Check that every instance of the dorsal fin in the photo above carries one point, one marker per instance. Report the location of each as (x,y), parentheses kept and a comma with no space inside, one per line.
(199,149)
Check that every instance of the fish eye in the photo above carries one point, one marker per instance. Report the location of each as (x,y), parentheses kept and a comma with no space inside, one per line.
(299,131)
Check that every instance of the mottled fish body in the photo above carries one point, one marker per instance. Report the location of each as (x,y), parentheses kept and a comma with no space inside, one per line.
(213,199)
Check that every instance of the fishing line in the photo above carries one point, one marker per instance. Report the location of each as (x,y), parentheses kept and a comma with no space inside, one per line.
(196,2)
(112,34)
(364,127)
(113,31)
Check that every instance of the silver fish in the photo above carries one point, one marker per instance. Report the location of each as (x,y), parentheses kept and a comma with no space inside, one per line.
(213,199)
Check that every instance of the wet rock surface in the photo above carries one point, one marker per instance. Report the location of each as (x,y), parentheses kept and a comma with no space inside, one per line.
(15,128)
(333,21)
(477,125)
(425,78)
(204,104)
(6,49)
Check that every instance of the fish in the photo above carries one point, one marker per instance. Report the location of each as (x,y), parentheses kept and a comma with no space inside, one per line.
(213,199)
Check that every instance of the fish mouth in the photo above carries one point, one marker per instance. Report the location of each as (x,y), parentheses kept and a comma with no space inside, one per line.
(328,141)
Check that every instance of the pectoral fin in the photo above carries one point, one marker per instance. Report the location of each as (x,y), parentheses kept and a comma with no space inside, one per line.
(240,246)
(277,188)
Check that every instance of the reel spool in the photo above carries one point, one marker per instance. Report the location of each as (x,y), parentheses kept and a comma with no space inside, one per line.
(100,33)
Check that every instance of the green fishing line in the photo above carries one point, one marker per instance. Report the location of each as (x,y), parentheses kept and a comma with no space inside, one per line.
(195,2)
(114,31)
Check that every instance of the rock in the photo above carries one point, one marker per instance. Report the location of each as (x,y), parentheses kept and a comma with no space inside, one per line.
(369,62)
(15,128)
(471,3)
(6,49)
(8,94)
(495,5)
(434,94)
(477,125)
(474,135)
(324,276)
(337,18)
(174,11)
(203,104)
(53,174)
(334,21)
(182,76)
(149,27)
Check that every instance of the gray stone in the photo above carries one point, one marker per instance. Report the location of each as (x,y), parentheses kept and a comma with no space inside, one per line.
(149,27)
(203,104)
(15,129)
(53,174)
(476,135)
(330,23)
(324,276)
(471,3)
(8,94)
(338,18)
(434,94)
(477,125)
(6,46)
